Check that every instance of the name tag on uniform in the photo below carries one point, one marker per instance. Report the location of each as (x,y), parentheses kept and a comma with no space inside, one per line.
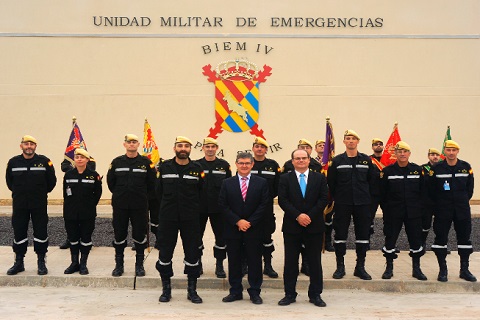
(446,186)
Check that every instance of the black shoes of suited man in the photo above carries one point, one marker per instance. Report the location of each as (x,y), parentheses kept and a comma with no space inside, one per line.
(255,298)
(288,299)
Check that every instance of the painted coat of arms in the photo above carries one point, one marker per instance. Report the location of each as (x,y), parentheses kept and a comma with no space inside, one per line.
(237,89)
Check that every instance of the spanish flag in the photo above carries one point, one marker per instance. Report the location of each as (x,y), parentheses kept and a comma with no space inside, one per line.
(150,149)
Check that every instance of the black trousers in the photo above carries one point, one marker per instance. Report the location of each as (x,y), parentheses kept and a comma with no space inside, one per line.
(79,233)
(252,250)
(154,210)
(20,220)
(167,240)
(392,225)
(341,222)
(463,229)
(313,247)
(427,218)
(216,222)
(138,219)
(269,229)
(373,212)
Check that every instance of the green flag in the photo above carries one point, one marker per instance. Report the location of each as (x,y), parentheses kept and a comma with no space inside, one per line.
(447,137)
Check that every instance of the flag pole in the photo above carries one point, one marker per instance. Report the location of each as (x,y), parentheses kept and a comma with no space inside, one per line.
(74,120)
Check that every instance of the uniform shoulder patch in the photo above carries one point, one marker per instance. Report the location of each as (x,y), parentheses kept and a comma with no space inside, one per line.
(430,173)
(381,174)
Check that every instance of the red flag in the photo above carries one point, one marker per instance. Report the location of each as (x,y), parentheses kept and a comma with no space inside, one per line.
(388,156)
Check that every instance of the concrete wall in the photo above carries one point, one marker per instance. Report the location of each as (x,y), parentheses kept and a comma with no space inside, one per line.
(420,68)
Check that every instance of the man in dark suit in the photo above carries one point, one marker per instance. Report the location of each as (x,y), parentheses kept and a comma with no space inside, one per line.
(302,194)
(243,200)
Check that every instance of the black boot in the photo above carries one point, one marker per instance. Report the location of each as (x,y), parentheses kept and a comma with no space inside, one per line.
(18,265)
(74,266)
(388,274)
(139,269)
(192,294)
(268,269)
(464,272)
(118,271)
(340,272)
(416,271)
(443,273)
(83,264)
(42,268)
(65,244)
(166,290)
(219,271)
(360,270)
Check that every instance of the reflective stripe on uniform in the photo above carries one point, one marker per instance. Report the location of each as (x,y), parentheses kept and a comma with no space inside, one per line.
(191,264)
(412,176)
(363,166)
(328,223)
(170,175)
(218,172)
(220,248)
(38,169)
(437,246)
(416,251)
(88,181)
(254,171)
(266,245)
(39,240)
(139,170)
(443,176)
(339,241)
(345,166)
(461,175)
(164,263)
(362,241)
(144,240)
(206,171)
(395,177)
(153,225)
(71,181)
(73,243)
(119,242)
(121,169)
(21,241)
(384,249)
(464,246)
(86,244)
(19,169)
(268,172)
(190,177)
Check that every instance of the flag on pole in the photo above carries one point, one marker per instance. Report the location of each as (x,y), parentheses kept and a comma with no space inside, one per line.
(150,149)
(75,141)
(328,154)
(388,156)
(447,137)
(329,150)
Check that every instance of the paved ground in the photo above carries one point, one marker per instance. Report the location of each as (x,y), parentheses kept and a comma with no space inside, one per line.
(99,295)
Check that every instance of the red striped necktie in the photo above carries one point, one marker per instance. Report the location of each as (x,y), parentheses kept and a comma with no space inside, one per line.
(244,187)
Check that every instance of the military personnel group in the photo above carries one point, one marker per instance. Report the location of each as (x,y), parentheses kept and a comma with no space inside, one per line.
(181,195)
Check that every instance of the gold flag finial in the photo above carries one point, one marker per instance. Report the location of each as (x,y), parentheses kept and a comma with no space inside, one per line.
(74,120)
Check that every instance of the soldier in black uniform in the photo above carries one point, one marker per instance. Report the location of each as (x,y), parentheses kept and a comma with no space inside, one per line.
(377,148)
(131,178)
(82,189)
(349,178)
(269,170)
(428,204)
(67,165)
(216,170)
(30,177)
(179,186)
(314,166)
(402,187)
(450,185)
